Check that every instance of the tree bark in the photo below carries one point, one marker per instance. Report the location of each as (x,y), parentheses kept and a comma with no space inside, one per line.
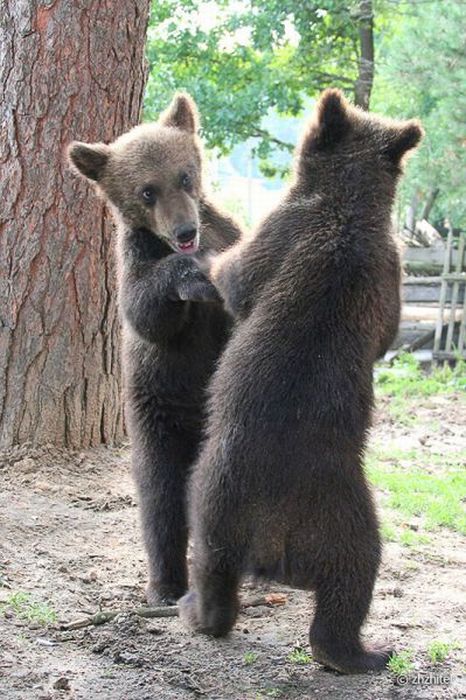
(363,86)
(429,203)
(68,70)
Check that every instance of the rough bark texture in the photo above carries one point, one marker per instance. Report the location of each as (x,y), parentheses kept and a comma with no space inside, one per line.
(429,203)
(68,70)
(363,86)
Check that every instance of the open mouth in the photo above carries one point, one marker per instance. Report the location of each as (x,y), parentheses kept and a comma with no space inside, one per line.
(190,246)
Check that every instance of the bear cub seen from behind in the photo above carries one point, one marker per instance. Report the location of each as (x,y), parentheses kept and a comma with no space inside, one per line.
(152,178)
(279,484)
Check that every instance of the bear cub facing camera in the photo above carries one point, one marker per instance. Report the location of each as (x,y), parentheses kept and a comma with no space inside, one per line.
(279,484)
(172,338)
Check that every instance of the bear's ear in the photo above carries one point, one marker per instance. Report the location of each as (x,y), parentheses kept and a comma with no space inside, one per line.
(332,121)
(402,139)
(181,114)
(89,159)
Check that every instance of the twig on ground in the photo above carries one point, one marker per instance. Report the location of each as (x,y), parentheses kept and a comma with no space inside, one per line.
(167,611)
(107,615)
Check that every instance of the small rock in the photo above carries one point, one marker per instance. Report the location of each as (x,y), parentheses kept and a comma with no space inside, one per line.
(398,592)
(153,629)
(89,576)
(62,683)
(34,626)
(257,611)
(99,647)
(125,657)
(26,465)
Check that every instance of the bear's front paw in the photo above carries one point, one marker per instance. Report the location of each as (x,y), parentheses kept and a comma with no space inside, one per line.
(198,290)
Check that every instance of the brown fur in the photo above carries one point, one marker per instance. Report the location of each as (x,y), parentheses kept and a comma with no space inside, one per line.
(171,341)
(279,485)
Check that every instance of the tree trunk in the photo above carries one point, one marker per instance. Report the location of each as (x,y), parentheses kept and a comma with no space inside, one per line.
(68,70)
(430,201)
(363,86)
(411,213)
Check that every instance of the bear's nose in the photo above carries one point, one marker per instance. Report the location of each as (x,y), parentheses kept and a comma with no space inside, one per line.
(185,232)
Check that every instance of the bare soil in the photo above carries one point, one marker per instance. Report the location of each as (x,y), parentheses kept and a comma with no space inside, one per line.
(70,537)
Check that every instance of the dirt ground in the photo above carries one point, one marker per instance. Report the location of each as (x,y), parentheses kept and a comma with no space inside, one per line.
(69,536)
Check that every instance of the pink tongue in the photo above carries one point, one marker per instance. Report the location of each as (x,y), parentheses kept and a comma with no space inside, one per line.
(186,246)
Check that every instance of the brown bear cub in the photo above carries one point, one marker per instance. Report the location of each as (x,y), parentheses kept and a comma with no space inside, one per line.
(279,484)
(152,177)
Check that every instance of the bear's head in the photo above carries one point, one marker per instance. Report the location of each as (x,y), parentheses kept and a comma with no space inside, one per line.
(152,175)
(344,146)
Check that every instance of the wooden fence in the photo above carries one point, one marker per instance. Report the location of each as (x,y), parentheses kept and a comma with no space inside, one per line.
(450,329)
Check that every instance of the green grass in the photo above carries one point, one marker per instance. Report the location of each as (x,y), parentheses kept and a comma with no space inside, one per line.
(23,607)
(250,658)
(405,381)
(414,490)
(439,651)
(401,664)
(272,693)
(394,532)
(299,656)
(406,378)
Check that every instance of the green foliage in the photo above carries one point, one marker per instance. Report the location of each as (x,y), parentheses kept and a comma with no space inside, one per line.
(402,663)
(421,66)
(439,651)
(241,60)
(247,62)
(420,484)
(299,656)
(23,607)
(402,535)
(406,378)
(250,658)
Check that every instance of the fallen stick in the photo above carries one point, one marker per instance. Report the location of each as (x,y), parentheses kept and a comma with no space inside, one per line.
(106,615)
(103,616)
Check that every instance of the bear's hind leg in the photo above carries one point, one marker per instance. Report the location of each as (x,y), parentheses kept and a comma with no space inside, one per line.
(220,547)
(161,462)
(212,606)
(344,571)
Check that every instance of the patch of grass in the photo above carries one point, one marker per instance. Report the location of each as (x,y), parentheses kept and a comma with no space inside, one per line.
(22,605)
(272,693)
(402,535)
(407,378)
(409,538)
(438,498)
(299,656)
(439,651)
(250,658)
(401,664)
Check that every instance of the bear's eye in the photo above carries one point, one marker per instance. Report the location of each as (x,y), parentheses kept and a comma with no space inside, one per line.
(186,181)
(149,194)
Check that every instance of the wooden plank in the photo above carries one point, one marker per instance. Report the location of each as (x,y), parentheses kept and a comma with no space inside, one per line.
(443,294)
(428,281)
(454,295)
(428,294)
(414,344)
(441,355)
(432,255)
(462,333)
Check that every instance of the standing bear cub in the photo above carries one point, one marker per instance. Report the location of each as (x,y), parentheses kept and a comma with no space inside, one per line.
(279,484)
(152,178)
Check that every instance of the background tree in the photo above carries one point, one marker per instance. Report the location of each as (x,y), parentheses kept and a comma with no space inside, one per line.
(422,73)
(68,71)
(249,63)
(240,60)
